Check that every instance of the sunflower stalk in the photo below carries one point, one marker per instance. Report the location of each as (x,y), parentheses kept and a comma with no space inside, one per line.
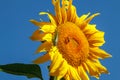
(53,78)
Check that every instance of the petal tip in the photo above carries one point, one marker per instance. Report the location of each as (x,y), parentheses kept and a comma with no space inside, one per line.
(110,56)
(42,13)
(96,14)
(32,20)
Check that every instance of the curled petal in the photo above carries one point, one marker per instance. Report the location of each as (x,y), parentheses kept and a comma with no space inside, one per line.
(51,17)
(58,11)
(91,17)
(67,10)
(72,15)
(53,2)
(87,20)
(82,18)
(65,4)
(64,15)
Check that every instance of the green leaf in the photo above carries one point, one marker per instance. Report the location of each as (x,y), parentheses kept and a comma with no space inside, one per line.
(29,70)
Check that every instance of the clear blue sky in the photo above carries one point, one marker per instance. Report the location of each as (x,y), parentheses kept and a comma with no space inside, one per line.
(15,29)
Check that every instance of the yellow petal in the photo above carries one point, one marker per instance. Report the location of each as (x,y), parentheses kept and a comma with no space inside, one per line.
(47,37)
(93,57)
(53,2)
(64,14)
(84,65)
(44,47)
(81,19)
(58,11)
(42,59)
(73,73)
(57,60)
(96,39)
(82,73)
(61,70)
(51,17)
(99,53)
(84,23)
(58,66)
(69,10)
(55,64)
(92,69)
(95,68)
(37,35)
(52,52)
(67,77)
(101,68)
(89,29)
(91,17)
(39,23)
(73,14)
(48,28)
(65,4)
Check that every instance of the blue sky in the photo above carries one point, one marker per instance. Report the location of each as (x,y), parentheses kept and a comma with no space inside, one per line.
(15,29)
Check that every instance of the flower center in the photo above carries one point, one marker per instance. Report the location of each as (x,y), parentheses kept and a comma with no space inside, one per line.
(72,44)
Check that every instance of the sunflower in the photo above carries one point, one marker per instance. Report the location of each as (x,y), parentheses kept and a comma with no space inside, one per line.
(71,43)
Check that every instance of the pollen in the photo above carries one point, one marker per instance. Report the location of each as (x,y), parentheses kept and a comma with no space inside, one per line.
(72,44)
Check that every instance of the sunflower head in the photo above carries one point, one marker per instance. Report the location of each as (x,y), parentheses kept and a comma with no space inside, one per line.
(71,43)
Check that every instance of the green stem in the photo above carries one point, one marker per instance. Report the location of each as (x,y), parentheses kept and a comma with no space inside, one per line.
(53,78)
